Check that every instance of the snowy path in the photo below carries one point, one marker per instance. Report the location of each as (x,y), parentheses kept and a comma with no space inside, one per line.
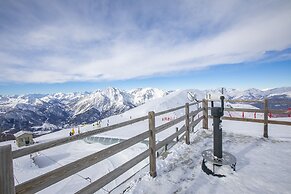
(263,167)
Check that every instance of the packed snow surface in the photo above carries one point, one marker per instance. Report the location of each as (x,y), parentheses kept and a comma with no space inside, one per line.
(263,165)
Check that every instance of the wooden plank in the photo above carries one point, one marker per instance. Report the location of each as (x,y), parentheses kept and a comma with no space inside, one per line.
(35,148)
(6,170)
(279,101)
(169,124)
(279,111)
(152,144)
(176,121)
(170,110)
(205,113)
(194,123)
(244,110)
(175,135)
(170,138)
(187,122)
(257,120)
(243,100)
(243,119)
(279,122)
(194,103)
(265,118)
(257,110)
(38,183)
(98,184)
(194,113)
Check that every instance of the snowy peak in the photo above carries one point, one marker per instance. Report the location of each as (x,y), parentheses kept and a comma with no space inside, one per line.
(142,95)
(115,99)
(116,96)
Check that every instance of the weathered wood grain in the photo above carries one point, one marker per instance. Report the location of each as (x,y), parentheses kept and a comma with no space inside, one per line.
(152,144)
(6,171)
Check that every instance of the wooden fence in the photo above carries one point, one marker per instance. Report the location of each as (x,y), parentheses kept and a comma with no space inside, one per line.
(39,183)
(265,111)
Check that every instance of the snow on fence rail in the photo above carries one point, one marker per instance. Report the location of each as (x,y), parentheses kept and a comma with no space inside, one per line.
(41,182)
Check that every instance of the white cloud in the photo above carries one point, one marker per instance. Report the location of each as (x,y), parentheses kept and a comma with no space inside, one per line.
(143,40)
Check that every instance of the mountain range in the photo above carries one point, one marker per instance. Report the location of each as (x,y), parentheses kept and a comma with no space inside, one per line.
(40,112)
(50,112)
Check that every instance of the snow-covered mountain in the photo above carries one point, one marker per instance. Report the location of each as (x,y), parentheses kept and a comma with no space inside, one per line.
(283,93)
(53,111)
(249,94)
(142,95)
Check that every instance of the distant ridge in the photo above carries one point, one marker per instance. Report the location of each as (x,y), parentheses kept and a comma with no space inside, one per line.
(50,112)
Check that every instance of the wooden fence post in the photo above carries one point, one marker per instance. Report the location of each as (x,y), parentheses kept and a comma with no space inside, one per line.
(266,118)
(192,120)
(6,170)
(177,138)
(152,144)
(187,123)
(205,113)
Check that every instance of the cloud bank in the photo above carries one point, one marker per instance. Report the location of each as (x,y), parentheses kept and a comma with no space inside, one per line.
(62,41)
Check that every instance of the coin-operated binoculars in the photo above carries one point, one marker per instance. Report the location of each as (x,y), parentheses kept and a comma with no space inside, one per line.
(216,156)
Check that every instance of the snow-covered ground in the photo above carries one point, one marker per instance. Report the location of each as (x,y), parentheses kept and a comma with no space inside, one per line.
(262,164)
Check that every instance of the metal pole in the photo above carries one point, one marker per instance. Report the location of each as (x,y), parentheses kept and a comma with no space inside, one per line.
(217,137)
(266,118)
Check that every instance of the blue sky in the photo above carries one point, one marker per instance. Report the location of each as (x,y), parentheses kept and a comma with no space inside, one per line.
(65,46)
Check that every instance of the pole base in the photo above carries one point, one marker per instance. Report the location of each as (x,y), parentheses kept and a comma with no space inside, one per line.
(208,156)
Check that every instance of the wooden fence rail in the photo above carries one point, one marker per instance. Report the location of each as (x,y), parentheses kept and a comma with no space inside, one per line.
(61,141)
(257,110)
(288,123)
(265,111)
